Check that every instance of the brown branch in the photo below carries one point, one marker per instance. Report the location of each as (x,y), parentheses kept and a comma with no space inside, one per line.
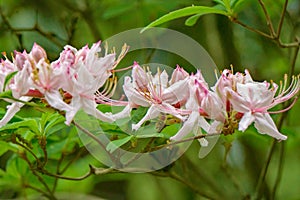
(279,28)
(185,140)
(268,19)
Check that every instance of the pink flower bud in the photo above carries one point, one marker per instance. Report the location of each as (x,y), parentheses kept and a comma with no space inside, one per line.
(20,59)
(37,53)
(178,74)
(139,77)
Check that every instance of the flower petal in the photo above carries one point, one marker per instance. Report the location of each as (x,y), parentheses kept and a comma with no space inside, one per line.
(265,125)
(12,110)
(246,120)
(152,113)
(188,126)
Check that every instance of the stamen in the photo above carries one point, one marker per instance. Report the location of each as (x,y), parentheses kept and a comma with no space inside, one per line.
(285,109)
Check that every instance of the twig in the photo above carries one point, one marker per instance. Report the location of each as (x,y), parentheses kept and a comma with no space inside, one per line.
(27,149)
(43,171)
(235,20)
(94,138)
(34,172)
(202,193)
(185,140)
(280,123)
(279,28)
(280,170)
(37,189)
(263,173)
(269,22)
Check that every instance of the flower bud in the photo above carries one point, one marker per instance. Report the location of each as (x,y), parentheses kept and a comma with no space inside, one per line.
(37,53)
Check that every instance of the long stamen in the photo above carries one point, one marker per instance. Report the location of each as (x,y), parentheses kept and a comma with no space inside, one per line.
(285,109)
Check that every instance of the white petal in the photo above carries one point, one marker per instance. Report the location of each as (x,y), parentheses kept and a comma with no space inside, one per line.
(246,120)
(215,127)
(238,102)
(124,113)
(12,110)
(132,95)
(55,100)
(187,127)
(265,125)
(176,92)
(89,106)
(152,113)
(203,124)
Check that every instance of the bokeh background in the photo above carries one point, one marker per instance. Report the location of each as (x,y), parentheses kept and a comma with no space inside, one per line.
(232,169)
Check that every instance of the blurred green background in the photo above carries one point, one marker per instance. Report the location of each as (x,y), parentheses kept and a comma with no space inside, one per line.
(53,24)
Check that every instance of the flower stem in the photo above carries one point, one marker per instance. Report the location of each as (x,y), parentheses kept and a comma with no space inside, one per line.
(263,173)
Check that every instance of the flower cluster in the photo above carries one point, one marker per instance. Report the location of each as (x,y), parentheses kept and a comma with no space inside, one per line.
(74,82)
(234,102)
(67,84)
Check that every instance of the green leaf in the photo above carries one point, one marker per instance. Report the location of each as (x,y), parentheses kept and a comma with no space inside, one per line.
(171,130)
(237,5)
(227,4)
(138,114)
(192,10)
(6,94)
(5,146)
(220,2)
(113,145)
(191,21)
(148,132)
(8,78)
(51,123)
(31,124)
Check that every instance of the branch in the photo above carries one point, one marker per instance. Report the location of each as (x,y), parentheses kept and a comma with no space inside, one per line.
(282,18)
(268,19)
(185,140)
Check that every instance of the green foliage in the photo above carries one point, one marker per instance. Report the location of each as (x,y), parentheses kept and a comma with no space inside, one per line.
(197,11)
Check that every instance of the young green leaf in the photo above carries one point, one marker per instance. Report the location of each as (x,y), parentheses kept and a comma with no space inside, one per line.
(5,146)
(192,10)
(31,124)
(237,5)
(191,21)
(114,145)
(8,78)
(6,94)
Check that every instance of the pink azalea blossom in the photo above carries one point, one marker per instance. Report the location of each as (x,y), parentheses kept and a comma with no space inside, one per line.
(154,92)
(254,99)
(198,93)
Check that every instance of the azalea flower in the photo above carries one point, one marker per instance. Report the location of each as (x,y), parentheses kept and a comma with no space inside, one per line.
(6,67)
(198,94)
(254,99)
(154,92)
